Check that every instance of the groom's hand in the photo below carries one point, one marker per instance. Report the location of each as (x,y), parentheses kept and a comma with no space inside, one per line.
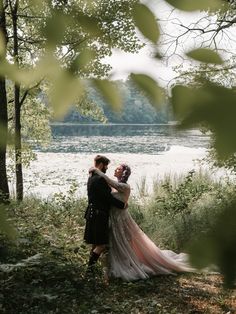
(126,205)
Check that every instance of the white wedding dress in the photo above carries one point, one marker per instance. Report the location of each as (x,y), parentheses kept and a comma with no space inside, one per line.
(132,254)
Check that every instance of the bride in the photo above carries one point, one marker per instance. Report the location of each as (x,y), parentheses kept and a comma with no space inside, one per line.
(132,255)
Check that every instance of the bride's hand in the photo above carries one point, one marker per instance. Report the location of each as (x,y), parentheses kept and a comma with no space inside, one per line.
(91,170)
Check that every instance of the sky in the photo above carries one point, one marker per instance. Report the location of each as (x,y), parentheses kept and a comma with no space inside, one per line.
(124,63)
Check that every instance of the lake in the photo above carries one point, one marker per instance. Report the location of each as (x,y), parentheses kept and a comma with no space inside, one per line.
(122,138)
(152,151)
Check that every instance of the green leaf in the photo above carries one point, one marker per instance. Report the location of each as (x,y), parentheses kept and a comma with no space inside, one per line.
(21,76)
(2,44)
(205,55)
(5,226)
(150,87)
(6,138)
(158,55)
(182,101)
(218,246)
(210,105)
(66,90)
(89,24)
(3,132)
(110,93)
(55,28)
(195,5)
(48,65)
(83,59)
(146,22)
(35,3)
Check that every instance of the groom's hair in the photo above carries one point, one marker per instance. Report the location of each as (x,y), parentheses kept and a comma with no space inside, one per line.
(101,159)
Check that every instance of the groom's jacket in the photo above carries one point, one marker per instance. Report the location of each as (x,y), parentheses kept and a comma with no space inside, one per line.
(100,198)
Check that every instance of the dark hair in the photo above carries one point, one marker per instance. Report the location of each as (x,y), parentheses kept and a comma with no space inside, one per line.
(101,159)
(126,173)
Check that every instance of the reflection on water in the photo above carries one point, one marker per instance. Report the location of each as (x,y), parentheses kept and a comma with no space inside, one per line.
(122,138)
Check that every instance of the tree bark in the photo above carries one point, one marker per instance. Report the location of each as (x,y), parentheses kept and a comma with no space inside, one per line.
(18,154)
(18,145)
(4,189)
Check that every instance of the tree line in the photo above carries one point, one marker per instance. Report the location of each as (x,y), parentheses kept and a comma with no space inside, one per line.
(136,108)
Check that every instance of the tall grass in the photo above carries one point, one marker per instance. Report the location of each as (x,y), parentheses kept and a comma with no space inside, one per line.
(181,208)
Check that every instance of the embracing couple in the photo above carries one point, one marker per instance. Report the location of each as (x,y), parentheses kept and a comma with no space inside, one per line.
(110,229)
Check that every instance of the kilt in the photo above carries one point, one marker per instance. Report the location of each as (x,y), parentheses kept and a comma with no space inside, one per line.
(97,227)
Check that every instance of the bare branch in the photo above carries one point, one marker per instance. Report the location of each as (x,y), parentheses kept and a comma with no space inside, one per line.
(209,31)
(27,92)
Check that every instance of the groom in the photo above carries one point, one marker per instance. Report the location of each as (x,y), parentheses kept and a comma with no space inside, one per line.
(100,200)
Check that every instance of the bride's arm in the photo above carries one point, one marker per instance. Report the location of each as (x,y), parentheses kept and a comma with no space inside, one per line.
(116,185)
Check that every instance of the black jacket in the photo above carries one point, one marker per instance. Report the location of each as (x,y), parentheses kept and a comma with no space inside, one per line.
(99,194)
(100,200)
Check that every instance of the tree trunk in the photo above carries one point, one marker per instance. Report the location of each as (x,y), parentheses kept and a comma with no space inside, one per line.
(4,189)
(18,154)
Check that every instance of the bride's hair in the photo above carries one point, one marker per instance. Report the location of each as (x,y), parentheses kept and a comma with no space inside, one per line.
(126,173)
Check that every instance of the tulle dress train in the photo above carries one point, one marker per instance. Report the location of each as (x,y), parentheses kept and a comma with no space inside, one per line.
(133,255)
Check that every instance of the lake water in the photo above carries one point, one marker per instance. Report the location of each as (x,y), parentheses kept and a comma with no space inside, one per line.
(152,151)
(122,138)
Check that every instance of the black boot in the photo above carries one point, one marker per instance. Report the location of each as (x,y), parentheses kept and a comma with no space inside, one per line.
(91,264)
(93,259)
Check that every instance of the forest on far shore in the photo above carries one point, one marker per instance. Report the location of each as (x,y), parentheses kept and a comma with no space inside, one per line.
(136,108)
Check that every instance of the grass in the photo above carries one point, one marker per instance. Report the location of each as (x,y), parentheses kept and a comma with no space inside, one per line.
(181,208)
(57,282)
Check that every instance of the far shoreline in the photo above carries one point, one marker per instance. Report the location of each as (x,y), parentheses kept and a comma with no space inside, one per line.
(109,124)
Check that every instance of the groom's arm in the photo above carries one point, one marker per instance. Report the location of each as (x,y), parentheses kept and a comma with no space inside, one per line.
(117,203)
(106,195)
